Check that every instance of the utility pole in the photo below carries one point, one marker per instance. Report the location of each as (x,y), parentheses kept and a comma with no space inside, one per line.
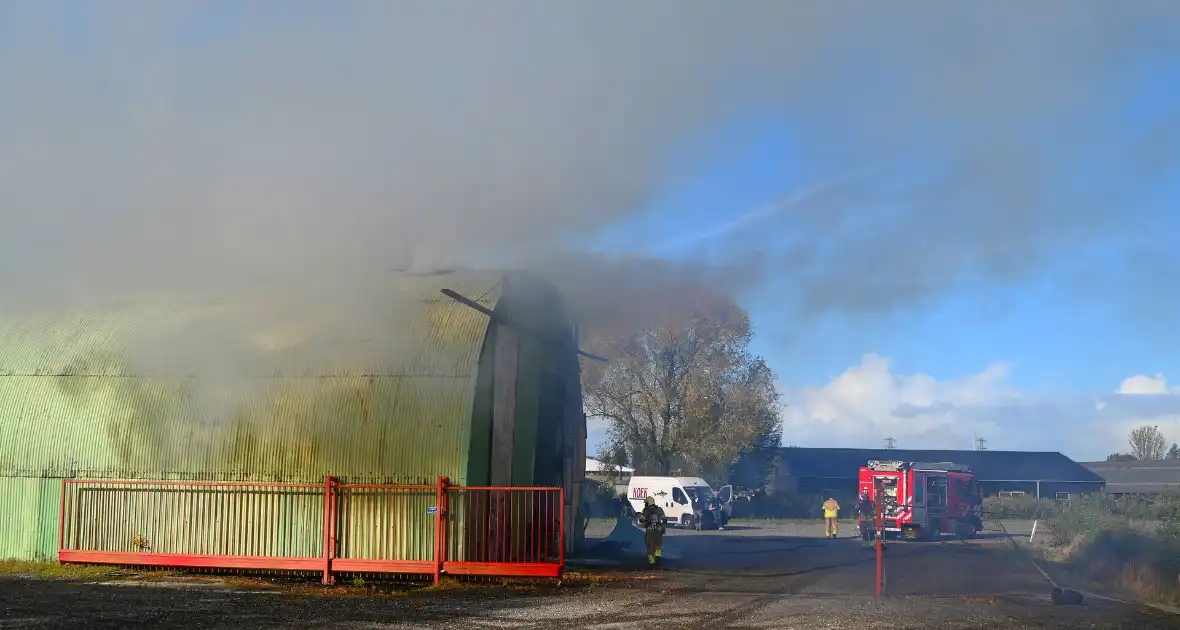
(980,444)
(890,443)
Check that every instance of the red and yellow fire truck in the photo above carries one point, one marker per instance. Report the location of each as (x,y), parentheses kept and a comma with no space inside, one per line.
(924,499)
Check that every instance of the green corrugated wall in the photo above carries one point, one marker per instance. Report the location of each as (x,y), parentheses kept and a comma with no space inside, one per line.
(80,403)
(29,510)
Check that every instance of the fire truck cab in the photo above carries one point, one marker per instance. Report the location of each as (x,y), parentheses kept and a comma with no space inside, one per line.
(924,500)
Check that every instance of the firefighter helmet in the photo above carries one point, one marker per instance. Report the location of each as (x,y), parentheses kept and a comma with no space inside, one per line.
(649,501)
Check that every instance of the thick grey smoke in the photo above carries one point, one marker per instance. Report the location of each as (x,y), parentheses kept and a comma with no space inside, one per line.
(152,145)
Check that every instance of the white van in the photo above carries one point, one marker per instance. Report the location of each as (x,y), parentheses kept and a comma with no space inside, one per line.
(676,495)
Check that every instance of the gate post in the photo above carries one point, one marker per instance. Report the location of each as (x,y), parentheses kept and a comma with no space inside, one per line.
(61,522)
(879,494)
(561,535)
(329,528)
(440,526)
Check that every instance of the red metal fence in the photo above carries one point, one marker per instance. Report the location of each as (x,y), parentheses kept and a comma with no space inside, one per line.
(327,528)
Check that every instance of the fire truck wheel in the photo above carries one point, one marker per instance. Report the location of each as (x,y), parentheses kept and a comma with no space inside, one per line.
(967,530)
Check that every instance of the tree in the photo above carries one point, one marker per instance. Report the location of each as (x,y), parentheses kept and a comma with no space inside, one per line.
(756,466)
(1174,452)
(1121,457)
(1147,443)
(890,443)
(686,392)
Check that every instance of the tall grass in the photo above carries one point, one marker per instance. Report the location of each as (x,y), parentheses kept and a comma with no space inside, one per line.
(1105,540)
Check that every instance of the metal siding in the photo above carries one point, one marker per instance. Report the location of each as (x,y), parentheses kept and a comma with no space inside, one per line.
(528,391)
(28,528)
(479,453)
(401,413)
(407,422)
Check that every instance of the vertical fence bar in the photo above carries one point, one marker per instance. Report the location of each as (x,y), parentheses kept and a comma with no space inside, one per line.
(61,521)
(880,540)
(439,525)
(561,530)
(328,578)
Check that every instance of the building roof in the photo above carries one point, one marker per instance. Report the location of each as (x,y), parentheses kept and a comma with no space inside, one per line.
(1138,477)
(843,463)
(593,466)
(250,388)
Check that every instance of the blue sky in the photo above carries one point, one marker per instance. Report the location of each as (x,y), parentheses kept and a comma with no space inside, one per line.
(1063,333)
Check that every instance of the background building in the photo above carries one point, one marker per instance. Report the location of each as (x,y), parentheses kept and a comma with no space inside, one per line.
(401,387)
(818,471)
(1157,477)
(616,477)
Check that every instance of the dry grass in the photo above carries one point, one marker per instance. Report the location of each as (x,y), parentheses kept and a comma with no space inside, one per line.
(56,571)
(1134,563)
(305,586)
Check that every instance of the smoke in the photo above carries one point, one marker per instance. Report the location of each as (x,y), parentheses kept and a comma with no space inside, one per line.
(305,146)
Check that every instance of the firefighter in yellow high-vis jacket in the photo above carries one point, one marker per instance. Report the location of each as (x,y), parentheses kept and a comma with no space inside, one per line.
(831,517)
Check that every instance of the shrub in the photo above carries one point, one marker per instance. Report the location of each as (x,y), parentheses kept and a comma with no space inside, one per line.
(1011,508)
(1088,515)
(1098,534)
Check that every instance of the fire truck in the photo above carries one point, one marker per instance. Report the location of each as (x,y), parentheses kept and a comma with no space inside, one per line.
(924,500)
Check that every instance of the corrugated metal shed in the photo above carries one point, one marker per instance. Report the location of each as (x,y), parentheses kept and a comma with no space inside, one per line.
(396,387)
(266,394)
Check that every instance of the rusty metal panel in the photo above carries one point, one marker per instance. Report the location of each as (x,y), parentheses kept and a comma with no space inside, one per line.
(93,395)
(28,527)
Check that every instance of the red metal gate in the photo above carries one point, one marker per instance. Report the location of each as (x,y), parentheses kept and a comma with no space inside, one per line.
(327,528)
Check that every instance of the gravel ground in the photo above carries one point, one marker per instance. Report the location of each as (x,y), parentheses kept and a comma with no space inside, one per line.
(773,576)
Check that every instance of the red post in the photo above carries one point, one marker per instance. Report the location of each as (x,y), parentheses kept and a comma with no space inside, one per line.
(561,525)
(440,527)
(61,522)
(880,541)
(329,517)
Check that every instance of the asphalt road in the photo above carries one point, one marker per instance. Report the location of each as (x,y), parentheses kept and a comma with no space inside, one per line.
(784,577)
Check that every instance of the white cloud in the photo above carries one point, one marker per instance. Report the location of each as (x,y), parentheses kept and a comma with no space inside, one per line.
(1141,384)
(868,402)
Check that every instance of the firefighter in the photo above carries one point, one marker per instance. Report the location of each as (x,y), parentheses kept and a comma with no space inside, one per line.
(832,517)
(864,513)
(652,518)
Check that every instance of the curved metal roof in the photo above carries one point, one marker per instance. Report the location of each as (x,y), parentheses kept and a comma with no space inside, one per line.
(378,387)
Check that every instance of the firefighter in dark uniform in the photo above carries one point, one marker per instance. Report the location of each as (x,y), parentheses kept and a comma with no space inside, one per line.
(653,520)
(865,516)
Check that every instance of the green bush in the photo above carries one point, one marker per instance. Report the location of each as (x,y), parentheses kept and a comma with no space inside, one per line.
(1018,508)
(1087,516)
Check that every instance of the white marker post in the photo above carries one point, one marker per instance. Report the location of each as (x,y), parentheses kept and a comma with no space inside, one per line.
(1034,533)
